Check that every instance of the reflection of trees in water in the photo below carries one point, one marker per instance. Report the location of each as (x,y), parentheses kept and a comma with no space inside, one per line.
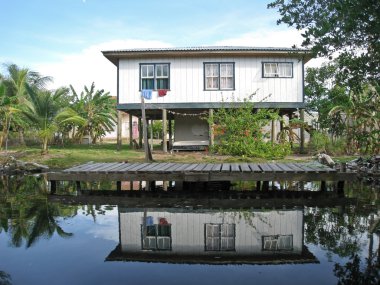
(5,278)
(346,233)
(25,213)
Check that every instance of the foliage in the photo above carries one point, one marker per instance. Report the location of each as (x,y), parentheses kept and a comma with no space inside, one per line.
(97,109)
(361,117)
(349,29)
(28,216)
(157,129)
(239,131)
(351,272)
(318,142)
(344,112)
(14,97)
(44,111)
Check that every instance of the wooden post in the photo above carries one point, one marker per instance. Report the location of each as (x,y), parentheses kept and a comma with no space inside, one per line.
(170,134)
(164,132)
(211,127)
(148,154)
(323,186)
(140,133)
(77,184)
(151,135)
(130,131)
(119,130)
(302,135)
(273,131)
(118,186)
(258,185)
(53,186)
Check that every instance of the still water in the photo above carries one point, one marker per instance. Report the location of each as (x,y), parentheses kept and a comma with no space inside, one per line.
(44,242)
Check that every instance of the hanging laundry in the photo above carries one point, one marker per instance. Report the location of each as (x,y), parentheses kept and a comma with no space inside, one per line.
(147,94)
(149,221)
(162,92)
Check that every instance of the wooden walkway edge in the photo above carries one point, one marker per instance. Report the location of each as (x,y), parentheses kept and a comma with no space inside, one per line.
(190,172)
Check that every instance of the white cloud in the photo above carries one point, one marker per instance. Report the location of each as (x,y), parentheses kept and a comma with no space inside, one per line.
(90,65)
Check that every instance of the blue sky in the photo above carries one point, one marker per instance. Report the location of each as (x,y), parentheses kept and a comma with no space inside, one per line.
(64,38)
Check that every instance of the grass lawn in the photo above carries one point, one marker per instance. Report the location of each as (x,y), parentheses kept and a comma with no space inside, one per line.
(70,155)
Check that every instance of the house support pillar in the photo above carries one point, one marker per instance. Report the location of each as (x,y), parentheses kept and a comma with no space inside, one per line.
(140,133)
(273,131)
(130,131)
(302,135)
(170,134)
(119,130)
(211,127)
(151,135)
(164,131)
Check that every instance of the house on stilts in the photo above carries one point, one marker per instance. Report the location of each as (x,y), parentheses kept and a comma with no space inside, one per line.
(187,84)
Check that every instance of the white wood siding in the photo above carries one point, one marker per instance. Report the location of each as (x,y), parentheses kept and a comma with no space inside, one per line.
(188,236)
(187,81)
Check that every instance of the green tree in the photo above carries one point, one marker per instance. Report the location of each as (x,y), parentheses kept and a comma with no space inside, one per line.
(349,29)
(15,96)
(44,111)
(97,109)
(239,131)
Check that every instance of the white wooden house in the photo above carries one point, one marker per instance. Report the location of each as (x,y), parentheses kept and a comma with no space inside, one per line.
(211,236)
(187,83)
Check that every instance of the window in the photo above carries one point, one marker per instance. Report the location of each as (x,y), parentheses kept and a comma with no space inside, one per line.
(278,69)
(154,76)
(156,237)
(219,76)
(219,237)
(278,242)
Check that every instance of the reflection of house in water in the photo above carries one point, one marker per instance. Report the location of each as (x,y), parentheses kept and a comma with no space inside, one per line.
(210,236)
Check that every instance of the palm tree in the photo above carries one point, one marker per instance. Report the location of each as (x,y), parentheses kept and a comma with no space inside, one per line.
(14,95)
(98,111)
(45,112)
(361,119)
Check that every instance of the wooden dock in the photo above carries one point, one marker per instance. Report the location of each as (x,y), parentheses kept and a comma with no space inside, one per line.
(200,172)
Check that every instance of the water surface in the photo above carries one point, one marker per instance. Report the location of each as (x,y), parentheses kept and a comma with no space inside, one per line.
(44,242)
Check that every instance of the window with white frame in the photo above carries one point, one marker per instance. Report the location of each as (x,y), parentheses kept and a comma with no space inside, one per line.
(156,237)
(219,237)
(154,76)
(219,76)
(278,69)
(278,242)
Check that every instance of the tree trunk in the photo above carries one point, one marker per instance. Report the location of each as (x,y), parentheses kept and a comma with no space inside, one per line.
(45,146)
(21,139)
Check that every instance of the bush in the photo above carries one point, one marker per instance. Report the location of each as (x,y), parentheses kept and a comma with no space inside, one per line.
(240,131)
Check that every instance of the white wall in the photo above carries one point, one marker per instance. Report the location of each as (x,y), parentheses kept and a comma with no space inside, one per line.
(187,81)
(188,235)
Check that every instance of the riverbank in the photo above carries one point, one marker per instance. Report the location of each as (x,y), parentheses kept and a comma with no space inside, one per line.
(63,157)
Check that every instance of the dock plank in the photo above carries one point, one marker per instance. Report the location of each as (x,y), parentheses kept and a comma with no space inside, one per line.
(275,167)
(245,167)
(235,167)
(284,167)
(216,167)
(200,167)
(226,167)
(265,167)
(254,167)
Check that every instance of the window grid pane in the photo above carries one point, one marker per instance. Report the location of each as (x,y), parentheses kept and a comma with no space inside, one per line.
(280,69)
